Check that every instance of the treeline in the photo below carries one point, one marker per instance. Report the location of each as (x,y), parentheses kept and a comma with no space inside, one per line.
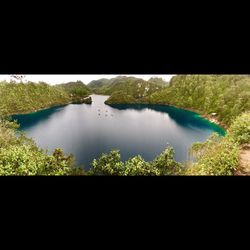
(29,97)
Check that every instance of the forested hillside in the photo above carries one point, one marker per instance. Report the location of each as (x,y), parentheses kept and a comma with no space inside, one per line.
(28,97)
(127,89)
(226,95)
(77,92)
(75,89)
(132,86)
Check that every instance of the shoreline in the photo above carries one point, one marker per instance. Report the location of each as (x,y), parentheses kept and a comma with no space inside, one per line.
(41,109)
(211,119)
(37,110)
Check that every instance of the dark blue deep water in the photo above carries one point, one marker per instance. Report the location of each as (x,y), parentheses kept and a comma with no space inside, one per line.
(89,130)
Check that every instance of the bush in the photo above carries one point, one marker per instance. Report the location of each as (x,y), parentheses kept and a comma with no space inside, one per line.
(216,156)
(24,160)
(111,164)
(240,129)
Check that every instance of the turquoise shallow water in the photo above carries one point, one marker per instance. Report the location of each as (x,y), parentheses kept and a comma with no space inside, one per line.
(89,130)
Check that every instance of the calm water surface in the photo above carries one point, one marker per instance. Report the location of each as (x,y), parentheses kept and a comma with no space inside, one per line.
(89,130)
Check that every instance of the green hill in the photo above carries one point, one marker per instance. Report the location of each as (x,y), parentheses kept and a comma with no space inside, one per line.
(28,97)
(77,92)
(126,89)
(97,85)
(226,95)
(132,86)
(76,89)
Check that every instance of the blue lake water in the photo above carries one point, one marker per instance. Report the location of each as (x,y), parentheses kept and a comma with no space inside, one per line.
(89,130)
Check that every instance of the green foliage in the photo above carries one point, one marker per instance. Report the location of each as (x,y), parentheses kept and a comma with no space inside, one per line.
(216,159)
(111,164)
(28,97)
(126,89)
(98,86)
(226,95)
(219,155)
(25,160)
(19,98)
(80,100)
(158,80)
(20,155)
(108,164)
(118,97)
(240,129)
(166,164)
(75,89)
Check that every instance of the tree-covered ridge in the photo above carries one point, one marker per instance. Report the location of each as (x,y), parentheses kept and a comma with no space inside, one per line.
(28,97)
(226,95)
(132,86)
(76,89)
(130,90)
(19,98)
(97,86)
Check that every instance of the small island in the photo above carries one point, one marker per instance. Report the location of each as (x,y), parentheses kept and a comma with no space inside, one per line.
(87,100)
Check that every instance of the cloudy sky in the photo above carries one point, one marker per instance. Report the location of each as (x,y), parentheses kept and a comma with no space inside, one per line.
(55,79)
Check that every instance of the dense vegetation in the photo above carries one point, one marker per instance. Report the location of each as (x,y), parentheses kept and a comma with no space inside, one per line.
(111,164)
(77,91)
(226,95)
(28,97)
(19,98)
(219,155)
(21,156)
(131,88)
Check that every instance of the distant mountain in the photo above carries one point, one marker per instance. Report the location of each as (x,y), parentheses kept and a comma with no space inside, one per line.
(77,92)
(158,80)
(76,89)
(97,84)
(129,89)
(120,83)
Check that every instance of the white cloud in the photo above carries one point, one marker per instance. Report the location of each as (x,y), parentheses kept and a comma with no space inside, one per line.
(55,79)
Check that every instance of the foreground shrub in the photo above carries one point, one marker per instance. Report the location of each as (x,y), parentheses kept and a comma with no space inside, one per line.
(111,164)
(240,129)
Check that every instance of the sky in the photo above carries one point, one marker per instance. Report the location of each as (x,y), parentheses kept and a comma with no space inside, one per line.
(56,79)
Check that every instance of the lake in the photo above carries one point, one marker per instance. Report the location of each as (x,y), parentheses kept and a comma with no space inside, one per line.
(87,131)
